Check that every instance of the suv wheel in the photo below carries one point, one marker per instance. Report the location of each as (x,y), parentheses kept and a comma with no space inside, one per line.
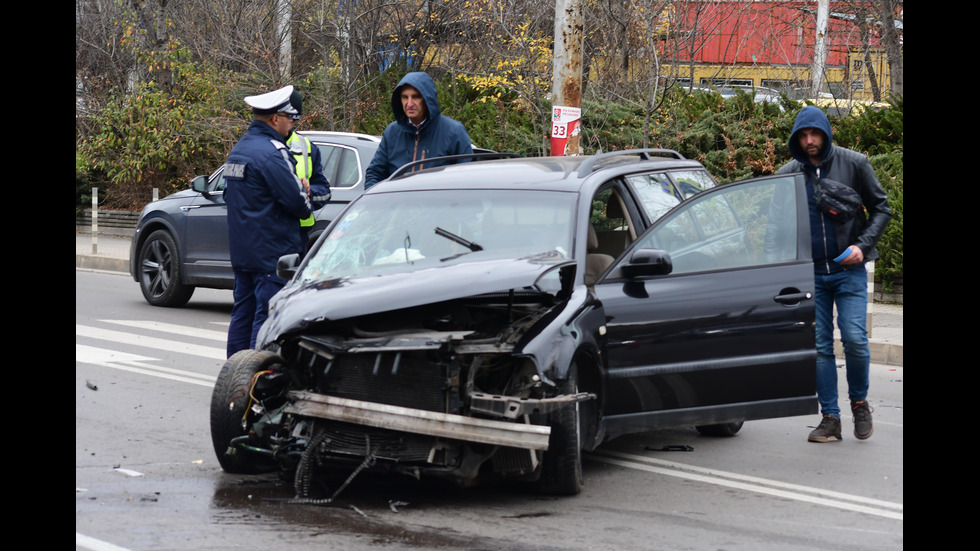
(724,429)
(159,271)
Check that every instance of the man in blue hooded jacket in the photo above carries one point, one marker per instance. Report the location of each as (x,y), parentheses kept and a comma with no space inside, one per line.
(420,131)
(840,249)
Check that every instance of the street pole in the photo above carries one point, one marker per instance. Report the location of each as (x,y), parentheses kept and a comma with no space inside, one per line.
(284,12)
(95,220)
(820,47)
(566,83)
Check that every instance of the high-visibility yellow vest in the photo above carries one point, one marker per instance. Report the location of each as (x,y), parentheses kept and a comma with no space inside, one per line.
(300,146)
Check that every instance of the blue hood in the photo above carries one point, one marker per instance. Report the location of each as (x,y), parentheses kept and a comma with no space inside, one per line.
(424,84)
(810,117)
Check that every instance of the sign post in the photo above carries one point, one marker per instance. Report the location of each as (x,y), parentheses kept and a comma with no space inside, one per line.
(564,126)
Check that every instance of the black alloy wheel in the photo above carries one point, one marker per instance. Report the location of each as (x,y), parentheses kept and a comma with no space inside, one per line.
(160,271)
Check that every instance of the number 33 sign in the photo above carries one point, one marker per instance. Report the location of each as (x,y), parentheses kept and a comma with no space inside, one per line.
(563,121)
(564,124)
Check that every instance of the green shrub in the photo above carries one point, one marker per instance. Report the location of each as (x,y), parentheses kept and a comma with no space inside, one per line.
(161,137)
(83,189)
(889,268)
(734,138)
(874,132)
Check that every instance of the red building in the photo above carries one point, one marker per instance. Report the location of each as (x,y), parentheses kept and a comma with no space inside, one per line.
(768,43)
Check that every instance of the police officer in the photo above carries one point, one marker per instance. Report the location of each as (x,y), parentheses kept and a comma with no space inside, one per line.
(309,166)
(265,200)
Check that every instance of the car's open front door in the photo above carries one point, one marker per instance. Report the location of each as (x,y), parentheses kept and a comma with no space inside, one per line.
(728,334)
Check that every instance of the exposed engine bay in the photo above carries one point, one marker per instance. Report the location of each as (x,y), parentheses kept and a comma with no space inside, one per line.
(449,389)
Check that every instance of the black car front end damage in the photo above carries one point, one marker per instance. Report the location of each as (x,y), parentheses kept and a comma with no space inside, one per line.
(463,388)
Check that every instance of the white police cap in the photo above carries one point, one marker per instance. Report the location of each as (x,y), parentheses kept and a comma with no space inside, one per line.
(276,101)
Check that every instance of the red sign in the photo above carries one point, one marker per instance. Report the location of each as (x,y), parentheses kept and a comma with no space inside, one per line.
(564,124)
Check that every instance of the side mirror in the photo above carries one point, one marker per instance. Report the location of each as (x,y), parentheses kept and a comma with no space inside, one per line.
(648,262)
(200,184)
(287,264)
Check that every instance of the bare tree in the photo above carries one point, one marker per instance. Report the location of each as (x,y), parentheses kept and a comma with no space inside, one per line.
(893,44)
(101,62)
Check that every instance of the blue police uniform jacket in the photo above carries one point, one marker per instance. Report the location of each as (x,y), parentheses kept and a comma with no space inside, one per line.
(403,142)
(265,200)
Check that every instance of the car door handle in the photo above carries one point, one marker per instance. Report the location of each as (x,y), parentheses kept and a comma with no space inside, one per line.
(792,297)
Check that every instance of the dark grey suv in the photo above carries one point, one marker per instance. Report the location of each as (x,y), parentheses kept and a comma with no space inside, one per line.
(181,241)
(495,318)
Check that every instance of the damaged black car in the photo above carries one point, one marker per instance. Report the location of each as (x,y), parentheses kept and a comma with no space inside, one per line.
(495,319)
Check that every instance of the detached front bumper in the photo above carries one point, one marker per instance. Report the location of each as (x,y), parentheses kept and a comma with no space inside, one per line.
(443,425)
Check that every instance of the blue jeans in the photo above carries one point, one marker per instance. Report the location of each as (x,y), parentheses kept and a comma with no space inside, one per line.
(252,293)
(849,290)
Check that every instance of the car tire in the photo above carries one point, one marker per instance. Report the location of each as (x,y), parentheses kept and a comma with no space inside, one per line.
(160,271)
(231,417)
(561,466)
(722,429)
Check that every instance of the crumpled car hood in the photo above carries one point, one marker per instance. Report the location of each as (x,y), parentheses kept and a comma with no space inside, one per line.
(300,304)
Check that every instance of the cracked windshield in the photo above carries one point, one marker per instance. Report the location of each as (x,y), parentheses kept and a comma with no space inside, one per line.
(391,232)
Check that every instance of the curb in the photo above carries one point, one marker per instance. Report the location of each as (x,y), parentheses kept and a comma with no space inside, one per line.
(92,262)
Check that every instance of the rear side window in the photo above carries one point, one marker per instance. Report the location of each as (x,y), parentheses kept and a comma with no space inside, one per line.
(656,193)
(349,172)
(692,182)
(340,166)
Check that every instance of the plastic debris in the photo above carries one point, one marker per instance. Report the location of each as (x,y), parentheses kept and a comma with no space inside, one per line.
(394,505)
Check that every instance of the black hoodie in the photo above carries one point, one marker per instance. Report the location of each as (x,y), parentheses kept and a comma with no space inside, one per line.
(831,237)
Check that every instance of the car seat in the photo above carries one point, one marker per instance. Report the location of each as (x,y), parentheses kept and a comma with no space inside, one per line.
(595,262)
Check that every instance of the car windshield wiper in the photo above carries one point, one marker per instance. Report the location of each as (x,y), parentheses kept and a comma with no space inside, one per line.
(406,246)
(453,237)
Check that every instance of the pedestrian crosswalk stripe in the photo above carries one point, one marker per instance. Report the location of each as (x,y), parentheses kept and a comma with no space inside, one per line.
(175,329)
(134,363)
(151,342)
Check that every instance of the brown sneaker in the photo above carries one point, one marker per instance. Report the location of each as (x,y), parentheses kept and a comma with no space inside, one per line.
(827,431)
(862,419)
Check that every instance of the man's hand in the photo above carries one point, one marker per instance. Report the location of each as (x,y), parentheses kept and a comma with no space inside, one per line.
(856,256)
(306,185)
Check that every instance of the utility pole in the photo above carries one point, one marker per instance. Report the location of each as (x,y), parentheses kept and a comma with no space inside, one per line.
(284,11)
(566,83)
(820,47)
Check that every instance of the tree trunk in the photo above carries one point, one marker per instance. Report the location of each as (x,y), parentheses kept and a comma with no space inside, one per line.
(893,47)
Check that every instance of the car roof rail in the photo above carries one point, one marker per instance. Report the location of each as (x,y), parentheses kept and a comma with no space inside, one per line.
(646,154)
(451,159)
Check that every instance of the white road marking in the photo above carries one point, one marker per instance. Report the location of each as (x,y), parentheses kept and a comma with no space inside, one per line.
(785,490)
(88,542)
(151,342)
(183,330)
(137,364)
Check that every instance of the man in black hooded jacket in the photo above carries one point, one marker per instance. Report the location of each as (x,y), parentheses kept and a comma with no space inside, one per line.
(840,249)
